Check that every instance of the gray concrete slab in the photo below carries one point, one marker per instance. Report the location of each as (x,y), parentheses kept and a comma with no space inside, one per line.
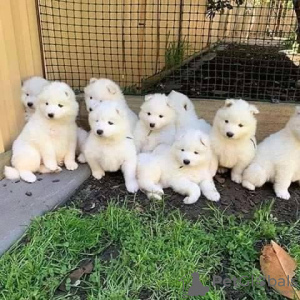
(20,202)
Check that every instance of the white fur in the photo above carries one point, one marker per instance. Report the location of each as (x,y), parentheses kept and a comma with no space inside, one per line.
(157,111)
(236,152)
(167,168)
(30,90)
(110,146)
(99,90)
(277,159)
(186,117)
(46,143)
(82,136)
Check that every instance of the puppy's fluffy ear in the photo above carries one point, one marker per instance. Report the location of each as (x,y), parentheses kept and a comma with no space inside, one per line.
(229,102)
(93,79)
(121,112)
(204,139)
(112,89)
(253,109)
(148,97)
(188,106)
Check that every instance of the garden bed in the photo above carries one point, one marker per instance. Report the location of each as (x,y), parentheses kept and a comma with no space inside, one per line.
(249,71)
(94,196)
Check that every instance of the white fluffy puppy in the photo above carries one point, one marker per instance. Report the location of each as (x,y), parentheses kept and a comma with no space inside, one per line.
(49,137)
(156,124)
(186,116)
(99,90)
(233,136)
(110,146)
(188,167)
(30,90)
(277,159)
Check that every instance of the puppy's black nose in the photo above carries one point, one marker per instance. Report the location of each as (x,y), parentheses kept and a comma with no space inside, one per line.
(99,131)
(29,104)
(152,125)
(186,161)
(230,134)
(51,115)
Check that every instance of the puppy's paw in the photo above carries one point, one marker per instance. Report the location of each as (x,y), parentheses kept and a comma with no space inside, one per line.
(51,166)
(222,170)
(58,170)
(81,158)
(213,196)
(132,186)
(153,196)
(189,200)
(98,174)
(237,178)
(28,176)
(283,194)
(71,165)
(248,185)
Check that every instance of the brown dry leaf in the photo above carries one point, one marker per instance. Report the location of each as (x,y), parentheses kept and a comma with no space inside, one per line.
(85,267)
(277,264)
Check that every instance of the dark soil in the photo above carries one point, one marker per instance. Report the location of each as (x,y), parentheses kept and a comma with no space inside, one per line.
(94,196)
(232,70)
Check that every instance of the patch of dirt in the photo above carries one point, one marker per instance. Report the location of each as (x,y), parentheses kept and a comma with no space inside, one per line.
(94,195)
(248,71)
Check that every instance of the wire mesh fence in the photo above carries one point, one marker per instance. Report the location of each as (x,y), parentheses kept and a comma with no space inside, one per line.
(205,49)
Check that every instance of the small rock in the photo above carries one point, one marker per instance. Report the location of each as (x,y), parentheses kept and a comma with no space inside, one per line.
(17,181)
(56,180)
(29,194)
(40,179)
(245,211)
(4,185)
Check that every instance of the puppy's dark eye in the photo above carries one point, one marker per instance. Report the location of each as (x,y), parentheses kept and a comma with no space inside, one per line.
(161,116)
(90,109)
(110,123)
(97,120)
(182,150)
(226,121)
(241,125)
(47,103)
(27,95)
(196,152)
(91,98)
(60,105)
(149,114)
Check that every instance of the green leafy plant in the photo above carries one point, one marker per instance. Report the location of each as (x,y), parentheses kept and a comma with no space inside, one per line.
(176,52)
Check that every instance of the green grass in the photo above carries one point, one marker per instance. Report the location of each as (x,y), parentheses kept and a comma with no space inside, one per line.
(156,250)
(176,52)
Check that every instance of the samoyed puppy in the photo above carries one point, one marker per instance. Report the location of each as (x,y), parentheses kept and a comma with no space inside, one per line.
(156,123)
(30,90)
(188,167)
(277,159)
(233,137)
(99,90)
(186,116)
(48,140)
(110,146)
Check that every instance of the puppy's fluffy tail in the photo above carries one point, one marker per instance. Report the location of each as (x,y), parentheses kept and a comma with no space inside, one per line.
(11,173)
(254,176)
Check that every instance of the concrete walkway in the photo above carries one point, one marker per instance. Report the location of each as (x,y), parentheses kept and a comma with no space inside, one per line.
(20,202)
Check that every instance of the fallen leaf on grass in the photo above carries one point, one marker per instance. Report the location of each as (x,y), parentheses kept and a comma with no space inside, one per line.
(73,279)
(278,268)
